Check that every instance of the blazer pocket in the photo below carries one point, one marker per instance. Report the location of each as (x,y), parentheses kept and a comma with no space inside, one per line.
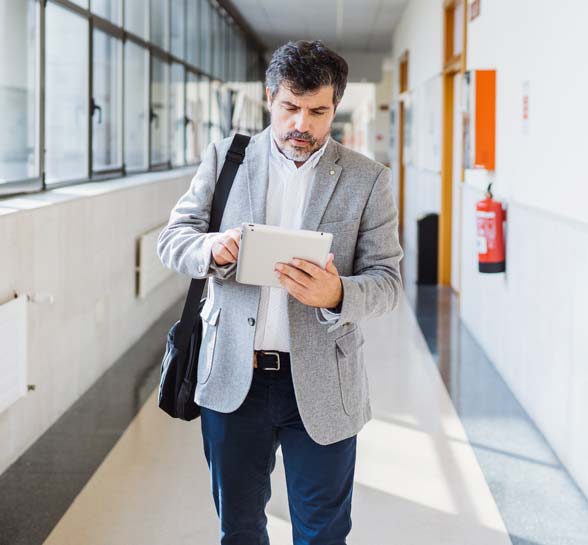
(350,369)
(209,317)
(339,226)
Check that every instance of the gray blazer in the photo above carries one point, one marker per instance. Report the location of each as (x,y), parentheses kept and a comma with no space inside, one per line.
(352,198)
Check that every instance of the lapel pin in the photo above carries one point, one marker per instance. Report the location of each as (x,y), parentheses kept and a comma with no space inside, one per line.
(332,172)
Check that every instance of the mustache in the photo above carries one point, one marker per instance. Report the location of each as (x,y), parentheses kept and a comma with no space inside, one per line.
(300,136)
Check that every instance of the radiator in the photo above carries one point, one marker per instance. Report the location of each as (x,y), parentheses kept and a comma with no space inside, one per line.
(13,351)
(150,271)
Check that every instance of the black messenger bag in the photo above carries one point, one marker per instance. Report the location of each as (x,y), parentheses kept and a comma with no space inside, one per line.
(179,367)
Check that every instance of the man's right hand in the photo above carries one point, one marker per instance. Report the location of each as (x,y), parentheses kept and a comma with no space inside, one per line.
(225,248)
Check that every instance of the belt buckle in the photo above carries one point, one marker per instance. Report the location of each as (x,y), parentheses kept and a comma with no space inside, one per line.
(277,354)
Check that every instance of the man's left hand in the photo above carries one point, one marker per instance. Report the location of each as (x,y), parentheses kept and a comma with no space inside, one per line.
(310,284)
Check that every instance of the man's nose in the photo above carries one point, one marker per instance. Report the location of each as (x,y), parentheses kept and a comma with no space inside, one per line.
(302,122)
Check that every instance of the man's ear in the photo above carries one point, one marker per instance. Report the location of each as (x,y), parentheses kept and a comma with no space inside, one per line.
(268,97)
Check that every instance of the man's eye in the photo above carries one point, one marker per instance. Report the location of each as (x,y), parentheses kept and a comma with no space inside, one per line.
(318,113)
(291,109)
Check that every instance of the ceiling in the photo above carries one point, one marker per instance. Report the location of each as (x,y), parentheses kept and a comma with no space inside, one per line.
(354,26)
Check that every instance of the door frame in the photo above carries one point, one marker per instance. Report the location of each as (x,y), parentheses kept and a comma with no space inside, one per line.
(453,64)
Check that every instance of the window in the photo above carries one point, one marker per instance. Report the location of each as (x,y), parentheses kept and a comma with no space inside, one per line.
(127,86)
(204,94)
(108,9)
(66,95)
(217,39)
(159,114)
(206,36)
(193,32)
(160,23)
(106,103)
(178,26)
(136,107)
(177,115)
(18,91)
(136,17)
(216,111)
(197,140)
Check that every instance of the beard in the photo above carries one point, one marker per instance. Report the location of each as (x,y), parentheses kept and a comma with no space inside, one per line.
(295,152)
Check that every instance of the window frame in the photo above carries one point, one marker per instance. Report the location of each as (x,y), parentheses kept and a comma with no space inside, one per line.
(232,26)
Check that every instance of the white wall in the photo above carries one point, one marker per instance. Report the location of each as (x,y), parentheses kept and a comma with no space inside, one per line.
(533,325)
(78,245)
(531,321)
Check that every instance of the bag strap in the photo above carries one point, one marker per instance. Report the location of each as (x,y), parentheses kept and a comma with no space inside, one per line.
(233,160)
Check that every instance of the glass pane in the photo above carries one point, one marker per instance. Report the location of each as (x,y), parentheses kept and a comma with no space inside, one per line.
(159,112)
(136,107)
(241,57)
(231,52)
(216,132)
(136,17)
(106,116)
(204,91)
(178,21)
(109,9)
(218,49)
(160,23)
(192,22)
(193,117)
(206,36)
(177,114)
(82,3)
(66,95)
(18,95)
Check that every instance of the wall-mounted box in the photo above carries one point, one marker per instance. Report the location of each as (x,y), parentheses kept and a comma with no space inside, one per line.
(479,119)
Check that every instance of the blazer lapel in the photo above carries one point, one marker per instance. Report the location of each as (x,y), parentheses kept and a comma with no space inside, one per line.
(325,179)
(257,168)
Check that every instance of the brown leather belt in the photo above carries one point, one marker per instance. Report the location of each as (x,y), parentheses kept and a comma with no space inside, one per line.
(271,360)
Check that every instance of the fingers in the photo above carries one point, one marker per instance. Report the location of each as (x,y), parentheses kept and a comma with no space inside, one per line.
(309,268)
(226,247)
(296,275)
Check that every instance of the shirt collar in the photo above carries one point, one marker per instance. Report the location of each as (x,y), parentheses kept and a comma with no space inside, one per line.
(311,162)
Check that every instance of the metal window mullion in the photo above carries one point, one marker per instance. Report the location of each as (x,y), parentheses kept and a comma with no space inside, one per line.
(122,102)
(41,98)
(169,26)
(90,94)
(185,125)
(149,106)
(185,59)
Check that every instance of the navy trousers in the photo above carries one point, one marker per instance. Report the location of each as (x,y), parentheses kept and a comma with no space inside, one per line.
(240,448)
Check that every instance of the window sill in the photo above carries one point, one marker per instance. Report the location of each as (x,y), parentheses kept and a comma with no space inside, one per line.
(12,205)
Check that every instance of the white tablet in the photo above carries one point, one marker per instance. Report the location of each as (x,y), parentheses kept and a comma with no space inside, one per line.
(262,246)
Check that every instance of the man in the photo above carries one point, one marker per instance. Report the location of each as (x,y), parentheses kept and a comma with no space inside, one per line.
(285,366)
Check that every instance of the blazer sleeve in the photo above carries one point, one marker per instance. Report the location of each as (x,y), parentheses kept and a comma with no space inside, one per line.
(375,286)
(184,245)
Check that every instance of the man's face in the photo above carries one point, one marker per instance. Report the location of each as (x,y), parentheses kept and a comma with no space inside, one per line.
(301,123)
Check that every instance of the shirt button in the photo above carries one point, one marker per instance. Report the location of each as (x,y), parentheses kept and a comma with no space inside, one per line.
(251,321)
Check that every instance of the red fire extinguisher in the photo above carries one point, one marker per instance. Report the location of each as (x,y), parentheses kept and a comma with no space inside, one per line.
(490,217)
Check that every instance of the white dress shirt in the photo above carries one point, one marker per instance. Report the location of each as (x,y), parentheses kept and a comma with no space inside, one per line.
(287,195)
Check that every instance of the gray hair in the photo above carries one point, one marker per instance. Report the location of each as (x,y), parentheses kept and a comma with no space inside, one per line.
(305,66)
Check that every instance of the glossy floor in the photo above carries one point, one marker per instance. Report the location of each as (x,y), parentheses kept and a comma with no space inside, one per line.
(116,470)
